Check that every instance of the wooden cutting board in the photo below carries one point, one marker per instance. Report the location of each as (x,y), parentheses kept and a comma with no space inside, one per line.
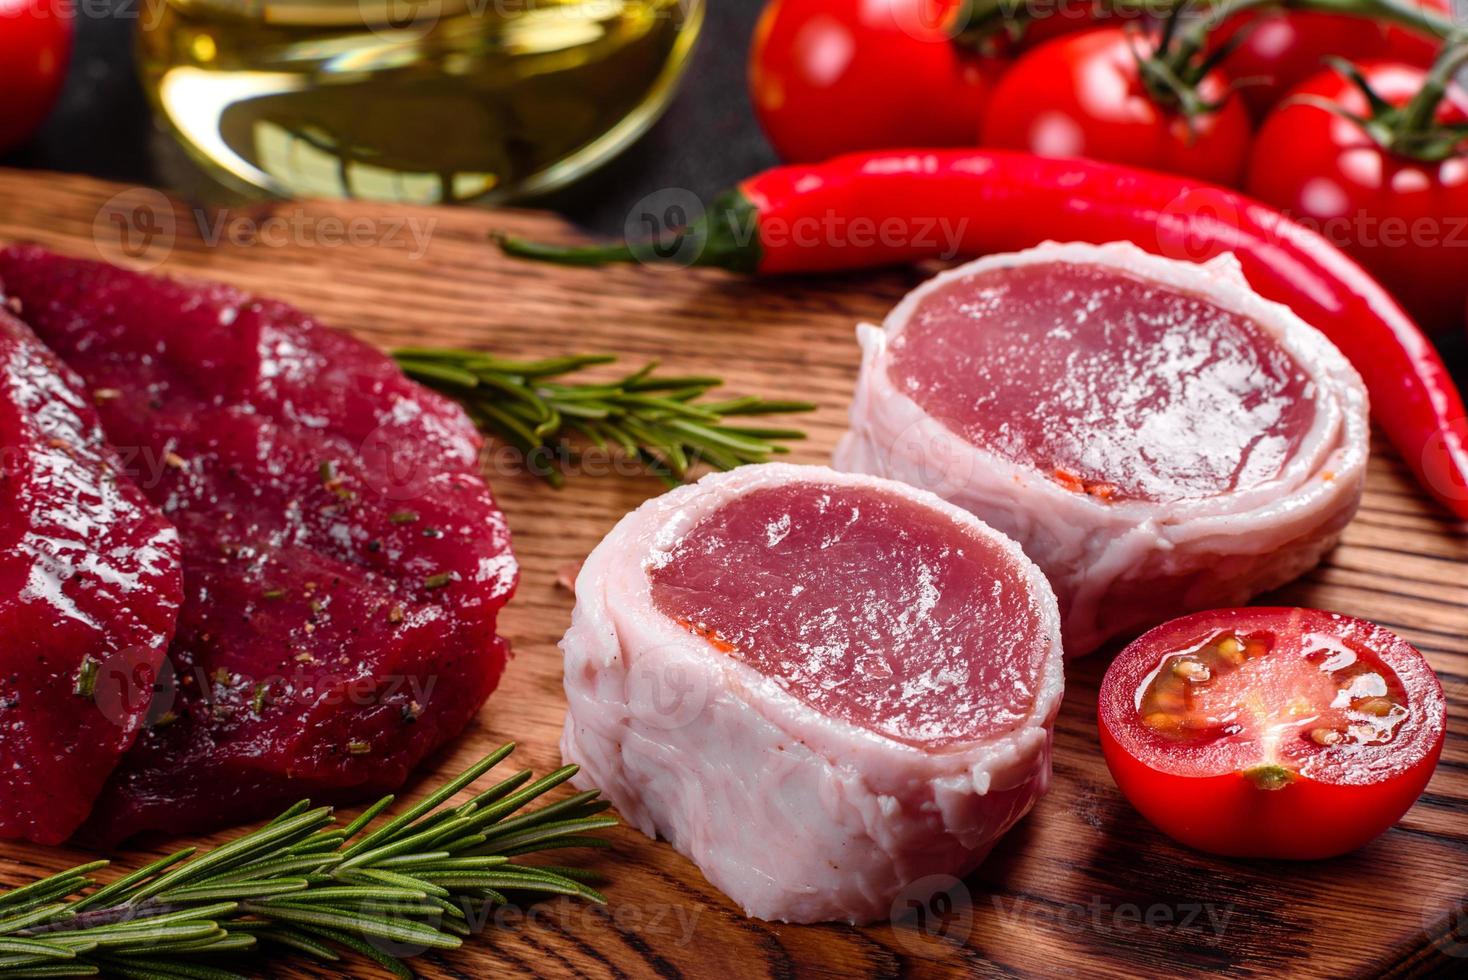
(1083,885)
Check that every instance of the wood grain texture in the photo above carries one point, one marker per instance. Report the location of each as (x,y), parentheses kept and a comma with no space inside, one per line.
(1082,886)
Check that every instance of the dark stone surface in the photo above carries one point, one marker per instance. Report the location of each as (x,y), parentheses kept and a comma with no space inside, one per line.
(707,140)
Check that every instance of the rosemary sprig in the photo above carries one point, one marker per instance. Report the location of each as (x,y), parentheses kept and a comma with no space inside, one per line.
(658,420)
(422,880)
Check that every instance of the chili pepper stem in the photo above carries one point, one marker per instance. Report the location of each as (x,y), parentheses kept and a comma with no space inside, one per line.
(577,255)
(725,237)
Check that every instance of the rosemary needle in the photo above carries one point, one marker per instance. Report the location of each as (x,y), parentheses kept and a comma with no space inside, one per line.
(658,420)
(299,885)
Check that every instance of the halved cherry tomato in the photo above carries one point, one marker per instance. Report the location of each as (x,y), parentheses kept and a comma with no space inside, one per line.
(1271,732)
(1082,95)
(1282,48)
(1406,220)
(35,44)
(832,76)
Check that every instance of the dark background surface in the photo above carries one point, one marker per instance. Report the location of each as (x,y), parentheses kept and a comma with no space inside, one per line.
(707,140)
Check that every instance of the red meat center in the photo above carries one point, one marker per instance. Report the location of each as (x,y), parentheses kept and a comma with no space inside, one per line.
(1107,382)
(865,605)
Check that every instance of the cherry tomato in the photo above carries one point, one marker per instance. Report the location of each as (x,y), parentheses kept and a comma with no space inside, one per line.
(1082,95)
(1405,220)
(1283,733)
(832,76)
(1283,48)
(35,44)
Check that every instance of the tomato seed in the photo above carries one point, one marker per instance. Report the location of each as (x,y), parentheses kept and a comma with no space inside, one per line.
(1377,707)
(1364,733)
(1160,720)
(1192,670)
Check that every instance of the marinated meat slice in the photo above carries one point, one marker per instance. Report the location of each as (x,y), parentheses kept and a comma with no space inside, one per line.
(820,687)
(90,586)
(1097,374)
(344,562)
(1156,436)
(866,607)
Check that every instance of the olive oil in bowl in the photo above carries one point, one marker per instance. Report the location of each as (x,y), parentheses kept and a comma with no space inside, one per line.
(423,101)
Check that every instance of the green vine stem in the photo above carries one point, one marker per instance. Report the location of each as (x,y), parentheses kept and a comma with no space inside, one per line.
(992,16)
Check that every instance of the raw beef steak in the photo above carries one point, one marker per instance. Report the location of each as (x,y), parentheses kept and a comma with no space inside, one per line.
(89,595)
(820,687)
(1156,436)
(344,562)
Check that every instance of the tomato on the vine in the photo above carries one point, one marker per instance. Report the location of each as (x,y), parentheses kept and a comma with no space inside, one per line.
(35,45)
(1279,49)
(1397,202)
(1270,732)
(1084,95)
(833,76)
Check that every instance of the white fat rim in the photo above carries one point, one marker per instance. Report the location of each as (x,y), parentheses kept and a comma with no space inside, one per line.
(1337,426)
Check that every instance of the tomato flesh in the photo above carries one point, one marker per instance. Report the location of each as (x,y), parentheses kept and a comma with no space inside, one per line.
(1286,733)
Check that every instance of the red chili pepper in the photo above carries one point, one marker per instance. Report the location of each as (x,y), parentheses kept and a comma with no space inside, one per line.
(873,209)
